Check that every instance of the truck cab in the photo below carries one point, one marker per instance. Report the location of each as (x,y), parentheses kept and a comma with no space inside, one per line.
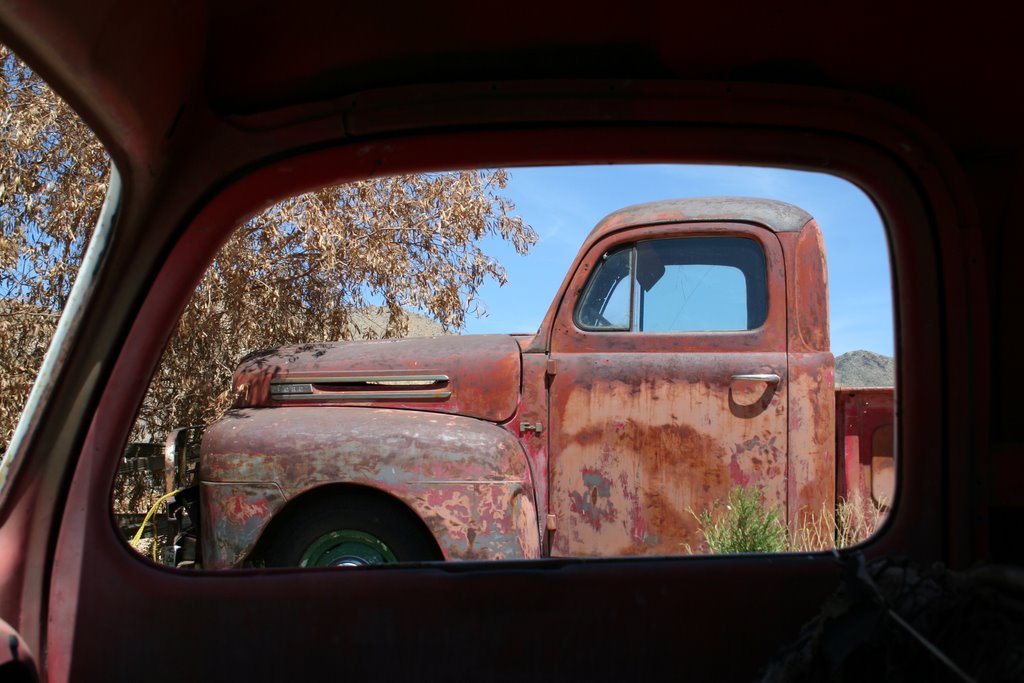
(685,354)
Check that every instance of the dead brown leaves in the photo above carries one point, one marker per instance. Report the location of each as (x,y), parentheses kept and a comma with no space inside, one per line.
(295,273)
(301,270)
(53,175)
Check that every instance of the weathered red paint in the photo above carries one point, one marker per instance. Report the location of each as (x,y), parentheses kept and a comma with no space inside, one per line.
(467,479)
(483,372)
(569,442)
(808,290)
(865,442)
(660,414)
(648,221)
(236,514)
(811,478)
(533,411)
(660,427)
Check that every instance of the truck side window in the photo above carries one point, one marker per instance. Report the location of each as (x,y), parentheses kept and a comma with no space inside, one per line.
(606,303)
(700,284)
(687,284)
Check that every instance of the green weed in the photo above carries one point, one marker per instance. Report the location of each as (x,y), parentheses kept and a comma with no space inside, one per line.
(743,525)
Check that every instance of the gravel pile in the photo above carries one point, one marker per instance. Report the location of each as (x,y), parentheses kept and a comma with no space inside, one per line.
(865,369)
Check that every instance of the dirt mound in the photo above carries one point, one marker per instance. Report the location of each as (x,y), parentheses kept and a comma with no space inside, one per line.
(371,322)
(865,369)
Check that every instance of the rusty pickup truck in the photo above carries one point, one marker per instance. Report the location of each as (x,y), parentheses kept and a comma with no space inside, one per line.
(686,353)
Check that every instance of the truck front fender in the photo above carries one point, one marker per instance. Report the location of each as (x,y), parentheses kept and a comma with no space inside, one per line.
(468,480)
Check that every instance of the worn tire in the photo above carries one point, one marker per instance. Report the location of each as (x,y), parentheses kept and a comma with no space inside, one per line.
(348,530)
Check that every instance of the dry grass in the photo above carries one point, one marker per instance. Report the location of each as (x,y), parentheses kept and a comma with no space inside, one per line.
(853,521)
(742,524)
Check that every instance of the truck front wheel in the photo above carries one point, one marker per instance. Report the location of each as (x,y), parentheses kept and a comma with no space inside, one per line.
(348,531)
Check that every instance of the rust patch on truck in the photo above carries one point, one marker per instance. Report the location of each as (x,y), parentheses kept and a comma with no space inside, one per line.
(593,503)
(473,375)
(865,439)
(812,459)
(467,479)
(240,508)
(480,522)
(625,483)
(532,411)
(235,514)
(616,438)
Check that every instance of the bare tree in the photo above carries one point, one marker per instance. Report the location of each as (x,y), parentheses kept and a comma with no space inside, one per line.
(295,273)
(53,175)
(298,272)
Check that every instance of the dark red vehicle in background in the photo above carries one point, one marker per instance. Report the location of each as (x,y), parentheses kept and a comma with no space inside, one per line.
(211,112)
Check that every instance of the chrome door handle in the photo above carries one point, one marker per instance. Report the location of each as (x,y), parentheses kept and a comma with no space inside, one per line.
(770,377)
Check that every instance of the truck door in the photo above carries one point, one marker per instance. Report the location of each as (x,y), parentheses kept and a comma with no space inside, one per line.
(668,386)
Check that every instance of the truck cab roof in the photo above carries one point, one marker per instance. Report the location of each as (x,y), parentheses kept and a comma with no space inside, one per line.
(772,214)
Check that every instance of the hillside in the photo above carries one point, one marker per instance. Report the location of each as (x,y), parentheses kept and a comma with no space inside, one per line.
(865,369)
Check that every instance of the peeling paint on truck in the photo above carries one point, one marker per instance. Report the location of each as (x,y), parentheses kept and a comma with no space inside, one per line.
(577,441)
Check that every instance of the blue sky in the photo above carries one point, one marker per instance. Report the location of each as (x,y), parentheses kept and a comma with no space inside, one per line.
(563,204)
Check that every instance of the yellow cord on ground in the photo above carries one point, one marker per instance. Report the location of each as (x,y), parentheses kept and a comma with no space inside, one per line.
(138,534)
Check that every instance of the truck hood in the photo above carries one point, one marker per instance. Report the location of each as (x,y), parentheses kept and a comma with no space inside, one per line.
(474,375)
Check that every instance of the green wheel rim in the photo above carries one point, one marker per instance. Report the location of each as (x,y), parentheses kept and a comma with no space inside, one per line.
(346,548)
